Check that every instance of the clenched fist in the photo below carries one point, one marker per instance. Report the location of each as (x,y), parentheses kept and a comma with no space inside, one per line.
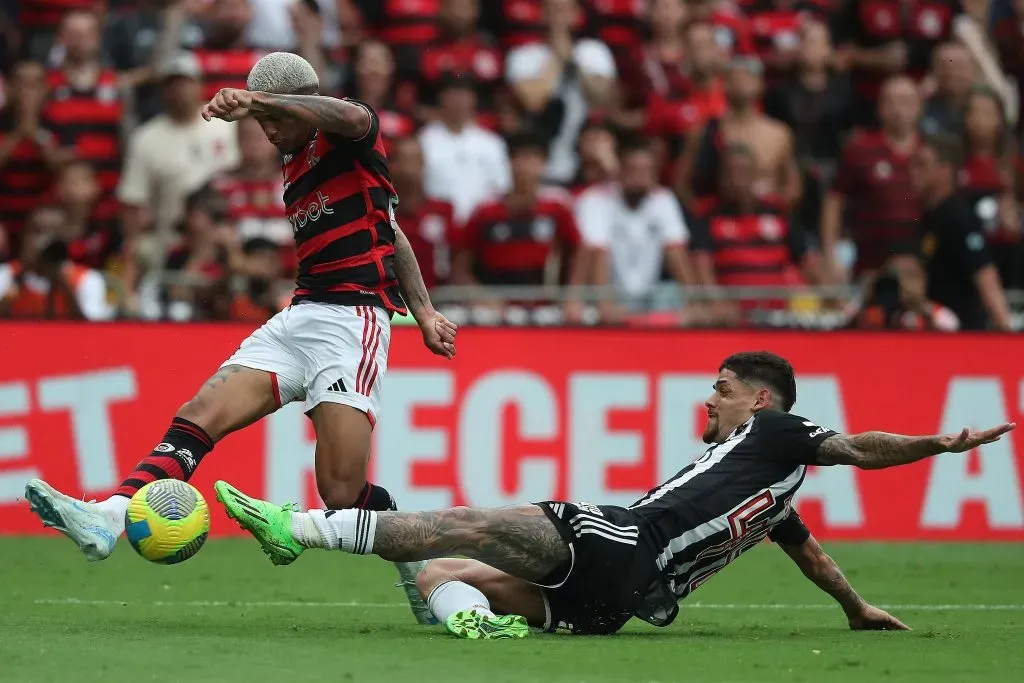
(229,104)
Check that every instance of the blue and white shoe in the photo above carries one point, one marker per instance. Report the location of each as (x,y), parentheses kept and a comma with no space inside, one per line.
(92,530)
(407,572)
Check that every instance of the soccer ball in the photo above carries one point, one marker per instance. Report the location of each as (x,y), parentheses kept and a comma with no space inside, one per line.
(167,521)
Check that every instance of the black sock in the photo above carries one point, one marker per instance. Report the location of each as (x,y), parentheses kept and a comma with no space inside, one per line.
(372,497)
(175,457)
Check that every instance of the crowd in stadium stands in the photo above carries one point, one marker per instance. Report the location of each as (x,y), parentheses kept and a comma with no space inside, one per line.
(620,143)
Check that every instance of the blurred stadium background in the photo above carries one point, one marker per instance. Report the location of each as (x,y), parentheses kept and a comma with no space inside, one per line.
(609,196)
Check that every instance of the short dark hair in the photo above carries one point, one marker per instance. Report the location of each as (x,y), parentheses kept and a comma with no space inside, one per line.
(764,367)
(526,141)
(948,149)
(635,144)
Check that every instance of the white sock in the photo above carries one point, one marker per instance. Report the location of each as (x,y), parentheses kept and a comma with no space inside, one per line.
(349,530)
(455,596)
(115,508)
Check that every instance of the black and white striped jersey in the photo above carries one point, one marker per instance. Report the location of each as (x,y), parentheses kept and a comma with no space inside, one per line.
(725,503)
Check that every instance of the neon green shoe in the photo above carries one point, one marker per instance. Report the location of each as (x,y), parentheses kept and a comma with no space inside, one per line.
(269,523)
(475,626)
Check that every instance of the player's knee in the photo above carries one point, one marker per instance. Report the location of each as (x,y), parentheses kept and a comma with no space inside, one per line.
(340,492)
(201,411)
(436,572)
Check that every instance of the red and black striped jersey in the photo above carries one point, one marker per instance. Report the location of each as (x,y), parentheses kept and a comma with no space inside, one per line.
(519,248)
(521,22)
(430,228)
(225,68)
(25,177)
(46,14)
(339,199)
(403,22)
(982,183)
(760,248)
(89,121)
(473,56)
(881,214)
(620,24)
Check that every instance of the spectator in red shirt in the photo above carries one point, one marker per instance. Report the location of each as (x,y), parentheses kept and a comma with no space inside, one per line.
(880,38)
(872,188)
(224,57)
(209,248)
(428,223)
(461,49)
(254,293)
(254,192)
(91,238)
(374,83)
(522,22)
(621,24)
(776,26)
(743,241)
(85,110)
(408,26)
(732,29)
(27,147)
(987,181)
(529,237)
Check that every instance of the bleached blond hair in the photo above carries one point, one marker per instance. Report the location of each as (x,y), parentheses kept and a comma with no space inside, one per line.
(283,73)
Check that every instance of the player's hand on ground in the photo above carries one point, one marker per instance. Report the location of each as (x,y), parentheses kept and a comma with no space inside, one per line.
(969,439)
(874,619)
(229,104)
(439,334)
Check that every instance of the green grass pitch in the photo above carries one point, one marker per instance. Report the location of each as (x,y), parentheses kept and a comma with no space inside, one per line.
(227,615)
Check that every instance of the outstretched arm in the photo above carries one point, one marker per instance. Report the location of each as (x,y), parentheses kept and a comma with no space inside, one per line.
(826,575)
(878,450)
(438,332)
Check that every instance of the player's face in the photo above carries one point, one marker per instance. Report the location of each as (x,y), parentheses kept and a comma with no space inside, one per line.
(288,135)
(731,404)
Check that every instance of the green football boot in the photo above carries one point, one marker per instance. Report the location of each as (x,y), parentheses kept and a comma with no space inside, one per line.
(269,523)
(472,625)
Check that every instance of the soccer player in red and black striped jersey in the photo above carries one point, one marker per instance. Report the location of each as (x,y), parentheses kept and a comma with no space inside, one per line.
(330,347)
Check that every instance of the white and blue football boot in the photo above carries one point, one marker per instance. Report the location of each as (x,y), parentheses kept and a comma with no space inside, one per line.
(88,525)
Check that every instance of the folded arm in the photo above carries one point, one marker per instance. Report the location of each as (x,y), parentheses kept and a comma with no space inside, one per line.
(328,114)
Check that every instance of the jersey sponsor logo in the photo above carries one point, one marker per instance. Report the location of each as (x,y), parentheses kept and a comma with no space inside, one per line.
(311,213)
(591,508)
(817,430)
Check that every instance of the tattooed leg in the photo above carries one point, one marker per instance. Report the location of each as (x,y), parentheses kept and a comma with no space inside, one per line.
(233,398)
(520,541)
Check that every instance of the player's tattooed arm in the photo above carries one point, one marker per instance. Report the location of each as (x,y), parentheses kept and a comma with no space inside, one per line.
(328,114)
(520,540)
(823,571)
(878,450)
(410,279)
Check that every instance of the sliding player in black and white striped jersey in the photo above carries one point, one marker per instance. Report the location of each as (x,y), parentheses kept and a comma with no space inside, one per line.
(590,568)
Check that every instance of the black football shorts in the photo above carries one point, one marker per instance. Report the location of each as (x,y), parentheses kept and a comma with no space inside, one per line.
(612,566)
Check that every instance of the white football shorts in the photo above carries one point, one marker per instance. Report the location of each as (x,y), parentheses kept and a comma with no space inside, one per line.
(320,353)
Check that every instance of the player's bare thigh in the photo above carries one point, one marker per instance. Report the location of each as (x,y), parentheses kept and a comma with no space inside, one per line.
(233,398)
(343,436)
(506,593)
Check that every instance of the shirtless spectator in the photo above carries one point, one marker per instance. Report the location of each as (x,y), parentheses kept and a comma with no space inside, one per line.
(778,177)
